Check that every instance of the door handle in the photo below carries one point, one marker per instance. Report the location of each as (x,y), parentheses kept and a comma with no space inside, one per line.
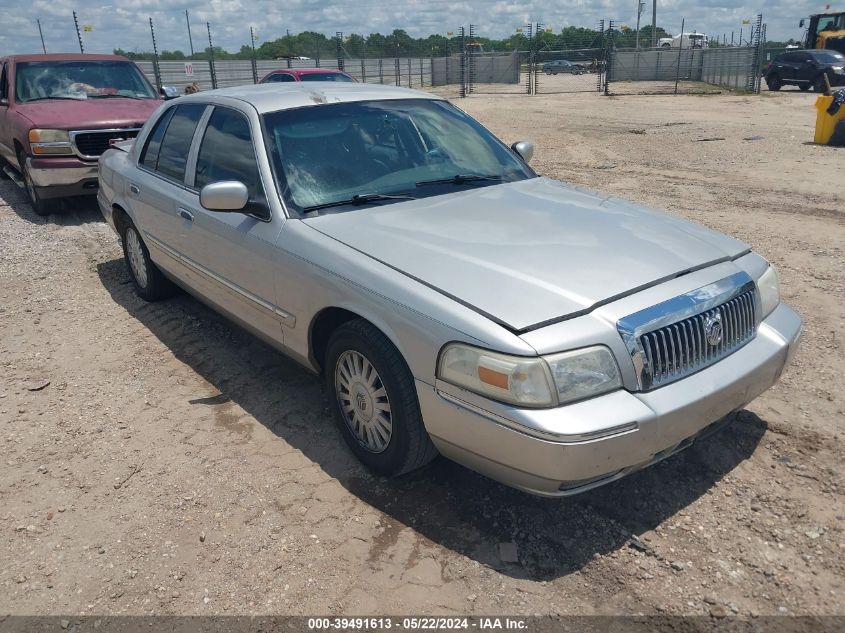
(134,189)
(186,215)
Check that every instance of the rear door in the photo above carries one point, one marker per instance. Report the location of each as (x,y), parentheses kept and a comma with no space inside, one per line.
(233,251)
(805,67)
(158,184)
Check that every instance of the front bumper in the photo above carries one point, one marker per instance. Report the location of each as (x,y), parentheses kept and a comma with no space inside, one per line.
(59,177)
(629,430)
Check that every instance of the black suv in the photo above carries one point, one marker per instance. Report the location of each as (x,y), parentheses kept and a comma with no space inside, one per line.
(806,69)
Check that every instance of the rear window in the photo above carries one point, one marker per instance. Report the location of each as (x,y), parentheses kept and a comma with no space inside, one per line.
(98,79)
(828,57)
(325,77)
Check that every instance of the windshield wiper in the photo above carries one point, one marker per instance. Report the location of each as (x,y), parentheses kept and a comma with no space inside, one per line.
(460,179)
(363,198)
(46,98)
(117,96)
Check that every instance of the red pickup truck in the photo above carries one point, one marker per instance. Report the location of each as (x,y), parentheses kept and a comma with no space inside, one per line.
(59,112)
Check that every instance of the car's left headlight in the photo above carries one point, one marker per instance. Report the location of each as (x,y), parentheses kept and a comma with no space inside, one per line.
(769,287)
(541,382)
(50,142)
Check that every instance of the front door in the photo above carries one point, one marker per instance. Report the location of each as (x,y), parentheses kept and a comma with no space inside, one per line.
(234,250)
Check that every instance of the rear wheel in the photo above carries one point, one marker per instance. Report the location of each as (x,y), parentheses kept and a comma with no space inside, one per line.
(41,206)
(774,82)
(150,283)
(805,87)
(375,401)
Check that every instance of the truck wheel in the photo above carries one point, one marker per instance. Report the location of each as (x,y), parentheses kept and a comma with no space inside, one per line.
(150,283)
(374,400)
(819,85)
(774,83)
(41,206)
(805,87)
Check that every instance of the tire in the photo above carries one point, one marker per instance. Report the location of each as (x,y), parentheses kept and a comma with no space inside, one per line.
(150,283)
(41,206)
(372,390)
(774,83)
(805,87)
(819,85)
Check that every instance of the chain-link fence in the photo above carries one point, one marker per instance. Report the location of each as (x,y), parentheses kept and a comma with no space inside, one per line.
(410,72)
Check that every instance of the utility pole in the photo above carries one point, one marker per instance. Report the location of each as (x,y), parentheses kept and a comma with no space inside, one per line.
(654,24)
(190,39)
(640,7)
(41,33)
(78,34)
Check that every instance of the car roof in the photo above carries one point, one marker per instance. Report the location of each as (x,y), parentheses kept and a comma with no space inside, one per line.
(282,96)
(65,57)
(308,71)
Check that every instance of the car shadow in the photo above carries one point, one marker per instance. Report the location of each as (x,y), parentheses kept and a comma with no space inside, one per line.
(444,502)
(69,212)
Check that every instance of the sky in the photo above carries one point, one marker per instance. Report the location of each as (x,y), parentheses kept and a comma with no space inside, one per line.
(125,23)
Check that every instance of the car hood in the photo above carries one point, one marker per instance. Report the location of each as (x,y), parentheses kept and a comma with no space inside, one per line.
(529,252)
(87,114)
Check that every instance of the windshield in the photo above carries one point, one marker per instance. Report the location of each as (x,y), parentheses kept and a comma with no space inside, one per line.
(324,77)
(328,153)
(80,80)
(829,57)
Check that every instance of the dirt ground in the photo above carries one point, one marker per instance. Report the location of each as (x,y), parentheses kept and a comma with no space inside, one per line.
(175,465)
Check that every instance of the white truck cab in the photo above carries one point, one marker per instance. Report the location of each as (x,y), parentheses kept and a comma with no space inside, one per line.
(687,40)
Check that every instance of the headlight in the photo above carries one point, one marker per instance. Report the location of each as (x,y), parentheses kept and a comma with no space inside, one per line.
(584,373)
(769,288)
(512,379)
(533,382)
(50,142)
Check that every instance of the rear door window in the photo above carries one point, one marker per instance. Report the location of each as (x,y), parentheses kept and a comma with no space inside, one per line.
(176,143)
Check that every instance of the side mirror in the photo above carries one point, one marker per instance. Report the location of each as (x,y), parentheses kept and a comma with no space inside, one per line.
(525,149)
(801,24)
(226,195)
(169,92)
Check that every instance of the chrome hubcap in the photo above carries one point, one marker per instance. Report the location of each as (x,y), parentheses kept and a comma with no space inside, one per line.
(136,257)
(363,401)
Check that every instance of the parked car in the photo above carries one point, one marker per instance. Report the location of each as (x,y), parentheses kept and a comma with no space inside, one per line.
(806,69)
(290,75)
(58,113)
(563,66)
(551,337)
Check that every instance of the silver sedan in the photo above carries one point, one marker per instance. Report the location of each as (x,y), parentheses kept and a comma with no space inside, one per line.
(454,302)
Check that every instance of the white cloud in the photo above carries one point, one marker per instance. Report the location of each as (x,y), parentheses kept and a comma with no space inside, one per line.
(125,23)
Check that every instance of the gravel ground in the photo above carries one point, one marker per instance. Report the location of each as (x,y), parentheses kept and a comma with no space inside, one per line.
(176,465)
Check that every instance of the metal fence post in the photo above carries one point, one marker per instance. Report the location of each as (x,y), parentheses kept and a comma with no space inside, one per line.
(421,72)
(252,61)
(680,50)
(339,45)
(156,69)
(380,70)
(397,70)
(211,57)
(410,74)
(463,61)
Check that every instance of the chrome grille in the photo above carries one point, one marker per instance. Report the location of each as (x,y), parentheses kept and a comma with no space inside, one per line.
(692,331)
(682,348)
(91,143)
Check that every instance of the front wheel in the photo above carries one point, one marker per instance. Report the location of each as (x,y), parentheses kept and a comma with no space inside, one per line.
(805,87)
(819,85)
(41,206)
(150,283)
(374,400)
(773,82)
